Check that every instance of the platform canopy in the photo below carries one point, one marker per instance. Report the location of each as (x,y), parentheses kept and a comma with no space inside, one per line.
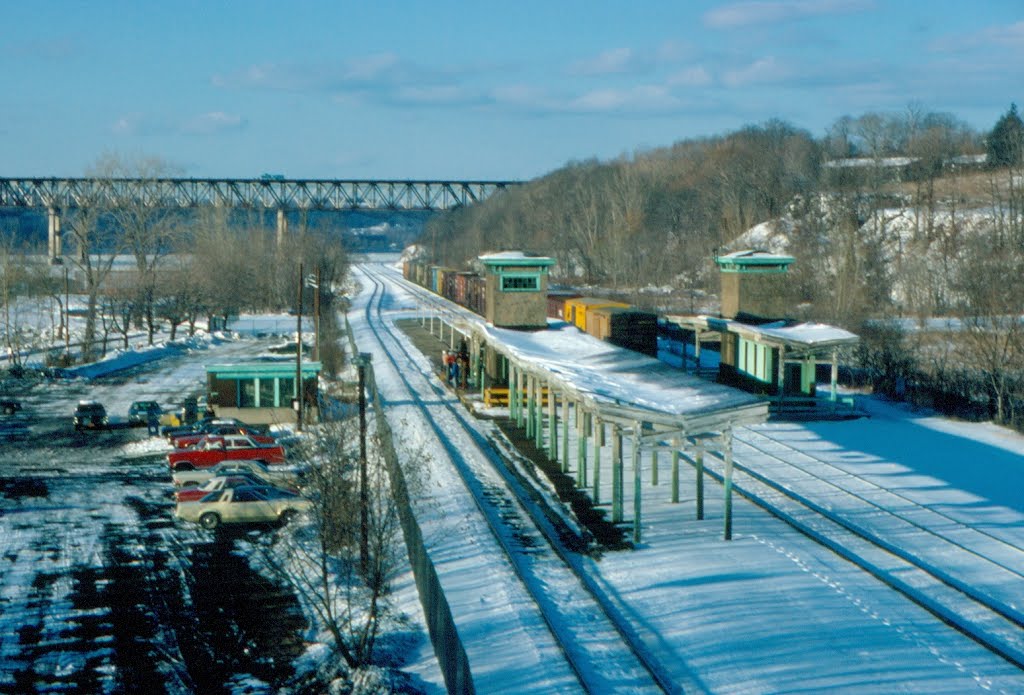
(641,394)
(796,338)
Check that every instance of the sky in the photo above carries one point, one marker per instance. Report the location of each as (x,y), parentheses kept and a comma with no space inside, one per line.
(449,90)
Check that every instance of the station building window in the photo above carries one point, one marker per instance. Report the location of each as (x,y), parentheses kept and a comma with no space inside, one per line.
(246,393)
(520,283)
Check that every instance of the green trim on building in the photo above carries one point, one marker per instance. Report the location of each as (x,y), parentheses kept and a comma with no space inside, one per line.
(754,262)
(263,369)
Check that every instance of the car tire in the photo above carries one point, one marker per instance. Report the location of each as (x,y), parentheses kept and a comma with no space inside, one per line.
(184,466)
(190,483)
(209,521)
(288,515)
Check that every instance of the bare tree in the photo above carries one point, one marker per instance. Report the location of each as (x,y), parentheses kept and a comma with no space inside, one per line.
(322,562)
(97,244)
(993,337)
(148,230)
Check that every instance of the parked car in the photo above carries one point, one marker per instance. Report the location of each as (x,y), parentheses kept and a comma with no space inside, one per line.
(253,504)
(199,427)
(212,450)
(9,406)
(140,412)
(90,415)
(281,476)
(220,482)
(221,429)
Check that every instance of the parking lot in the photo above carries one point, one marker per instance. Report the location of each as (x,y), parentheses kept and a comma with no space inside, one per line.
(102,591)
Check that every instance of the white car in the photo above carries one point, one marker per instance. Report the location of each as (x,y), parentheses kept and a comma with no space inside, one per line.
(243,505)
(276,475)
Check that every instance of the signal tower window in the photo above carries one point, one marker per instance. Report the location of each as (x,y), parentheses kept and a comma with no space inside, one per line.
(520,283)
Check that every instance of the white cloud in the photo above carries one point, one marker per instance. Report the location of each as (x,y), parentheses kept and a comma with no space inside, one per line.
(639,98)
(616,60)
(210,123)
(519,95)
(695,76)
(746,13)
(426,95)
(372,67)
(764,70)
(213,122)
(1009,36)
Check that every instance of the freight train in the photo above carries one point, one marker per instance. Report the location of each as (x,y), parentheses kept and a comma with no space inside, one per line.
(619,323)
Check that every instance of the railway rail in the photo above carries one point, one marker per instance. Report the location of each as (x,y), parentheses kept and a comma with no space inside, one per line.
(958,572)
(922,552)
(585,620)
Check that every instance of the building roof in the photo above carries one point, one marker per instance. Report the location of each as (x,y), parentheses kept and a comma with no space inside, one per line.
(515,258)
(267,368)
(794,336)
(752,259)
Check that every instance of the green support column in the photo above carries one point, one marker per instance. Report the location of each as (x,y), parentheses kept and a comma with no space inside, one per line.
(552,425)
(637,496)
(582,420)
(538,420)
(834,377)
(700,484)
(565,433)
(530,404)
(520,396)
(675,472)
(654,465)
(481,375)
(617,467)
(513,412)
(528,384)
(474,364)
(728,486)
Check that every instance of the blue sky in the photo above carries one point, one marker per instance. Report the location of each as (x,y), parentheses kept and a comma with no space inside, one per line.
(459,90)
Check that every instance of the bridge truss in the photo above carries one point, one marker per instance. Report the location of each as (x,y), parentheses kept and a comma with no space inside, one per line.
(279,194)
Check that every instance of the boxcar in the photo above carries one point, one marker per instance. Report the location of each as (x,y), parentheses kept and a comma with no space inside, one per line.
(476,293)
(626,327)
(450,284)
(437,275)
(576,309)
(556,302)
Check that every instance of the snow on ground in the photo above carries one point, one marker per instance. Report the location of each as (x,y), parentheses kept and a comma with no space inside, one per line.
(772,611)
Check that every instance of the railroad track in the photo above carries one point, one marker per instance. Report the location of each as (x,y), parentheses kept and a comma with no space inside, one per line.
(603,649)
(927,555)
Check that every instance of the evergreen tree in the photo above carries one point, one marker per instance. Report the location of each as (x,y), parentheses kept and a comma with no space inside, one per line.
(1005,144)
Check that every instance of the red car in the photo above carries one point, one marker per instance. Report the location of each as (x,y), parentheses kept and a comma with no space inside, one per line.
(186,440)
(210,451)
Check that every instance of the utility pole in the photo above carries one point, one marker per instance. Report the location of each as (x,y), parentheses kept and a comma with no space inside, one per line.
(67,316)
(362,362)
(298,356)
(316,316)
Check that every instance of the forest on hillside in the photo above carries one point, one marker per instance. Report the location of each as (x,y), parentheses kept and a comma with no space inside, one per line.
(894,220)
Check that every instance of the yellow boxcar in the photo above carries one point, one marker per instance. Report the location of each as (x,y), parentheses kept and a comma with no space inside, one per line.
(576,309)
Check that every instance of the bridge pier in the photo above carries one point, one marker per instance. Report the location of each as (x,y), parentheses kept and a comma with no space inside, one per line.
(282,226)
(53,238)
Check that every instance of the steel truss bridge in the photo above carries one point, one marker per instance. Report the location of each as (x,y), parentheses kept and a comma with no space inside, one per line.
(55,194)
